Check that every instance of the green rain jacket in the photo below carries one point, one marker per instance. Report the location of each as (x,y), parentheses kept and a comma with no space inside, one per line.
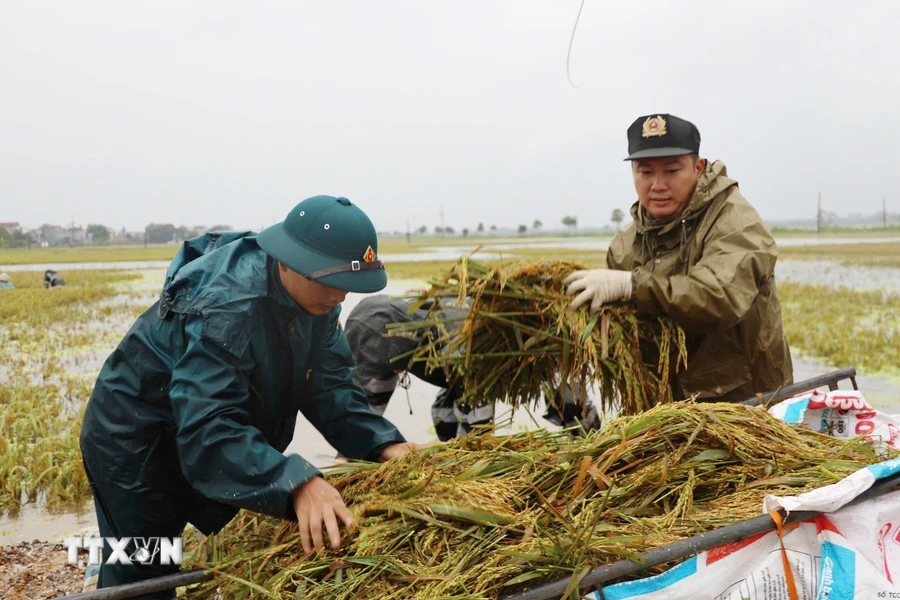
(712,270)
(198,402)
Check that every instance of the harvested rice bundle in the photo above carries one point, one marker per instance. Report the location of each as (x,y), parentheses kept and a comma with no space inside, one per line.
(483,516)
(516,339)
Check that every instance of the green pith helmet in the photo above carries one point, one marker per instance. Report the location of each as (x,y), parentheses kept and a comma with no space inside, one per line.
(328,240)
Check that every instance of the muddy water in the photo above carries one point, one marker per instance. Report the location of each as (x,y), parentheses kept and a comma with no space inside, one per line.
(34,523)
(832,274)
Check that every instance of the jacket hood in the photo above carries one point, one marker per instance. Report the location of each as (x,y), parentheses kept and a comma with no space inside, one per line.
(198,247)
(713,182)
(214,270)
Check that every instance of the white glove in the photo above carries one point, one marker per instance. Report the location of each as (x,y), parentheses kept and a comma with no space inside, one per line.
(599,286)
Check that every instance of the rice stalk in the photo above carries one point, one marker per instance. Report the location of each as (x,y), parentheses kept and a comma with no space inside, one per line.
(483,516)
(517,338)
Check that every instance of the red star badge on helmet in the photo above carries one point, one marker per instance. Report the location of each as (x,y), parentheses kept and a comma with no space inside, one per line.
(369,256)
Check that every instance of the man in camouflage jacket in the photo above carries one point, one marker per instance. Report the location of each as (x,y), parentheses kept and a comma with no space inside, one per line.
(698,253)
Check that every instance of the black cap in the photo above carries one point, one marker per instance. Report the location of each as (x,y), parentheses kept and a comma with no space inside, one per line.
(652,136)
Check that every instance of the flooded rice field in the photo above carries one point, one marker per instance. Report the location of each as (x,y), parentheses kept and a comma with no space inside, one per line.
(36,523)
(834,275)
(492,248)
(98,335)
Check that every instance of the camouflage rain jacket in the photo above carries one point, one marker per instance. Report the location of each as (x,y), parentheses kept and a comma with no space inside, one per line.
(712,270)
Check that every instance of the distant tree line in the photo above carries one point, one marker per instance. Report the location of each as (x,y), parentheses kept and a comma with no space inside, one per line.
(16,239)
(569,222)
(166,233)
(163,233)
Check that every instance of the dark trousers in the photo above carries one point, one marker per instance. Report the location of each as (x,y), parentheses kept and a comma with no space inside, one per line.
(134,515)
(564,409)
(449,420)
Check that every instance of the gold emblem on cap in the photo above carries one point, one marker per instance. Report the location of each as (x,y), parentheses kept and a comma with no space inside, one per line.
(369,256)
(654,127)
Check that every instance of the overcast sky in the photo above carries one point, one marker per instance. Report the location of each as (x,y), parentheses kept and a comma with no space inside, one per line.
(198,113)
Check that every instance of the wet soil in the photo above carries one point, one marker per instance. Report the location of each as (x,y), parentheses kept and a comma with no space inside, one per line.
(37,571)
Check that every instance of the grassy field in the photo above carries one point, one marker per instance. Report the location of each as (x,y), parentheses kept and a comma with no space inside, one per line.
(589,258)
(26,256)
(417,270)
(156,252)
(885,254)
(889,231)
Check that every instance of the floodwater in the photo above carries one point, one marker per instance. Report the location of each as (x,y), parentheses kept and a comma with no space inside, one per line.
(491,250)
(36,524)
(415,423)
(835,275)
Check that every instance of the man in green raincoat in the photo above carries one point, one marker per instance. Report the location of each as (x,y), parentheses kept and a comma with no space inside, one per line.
(698,253)
(191,413)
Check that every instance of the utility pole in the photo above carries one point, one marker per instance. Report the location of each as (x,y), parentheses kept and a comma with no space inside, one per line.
(407,231)
(72,235)
(442,221)
(819,215)
(884,211)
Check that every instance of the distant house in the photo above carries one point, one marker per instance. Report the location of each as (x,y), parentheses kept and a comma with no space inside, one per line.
(129,237)
(11,227)
(54,235)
